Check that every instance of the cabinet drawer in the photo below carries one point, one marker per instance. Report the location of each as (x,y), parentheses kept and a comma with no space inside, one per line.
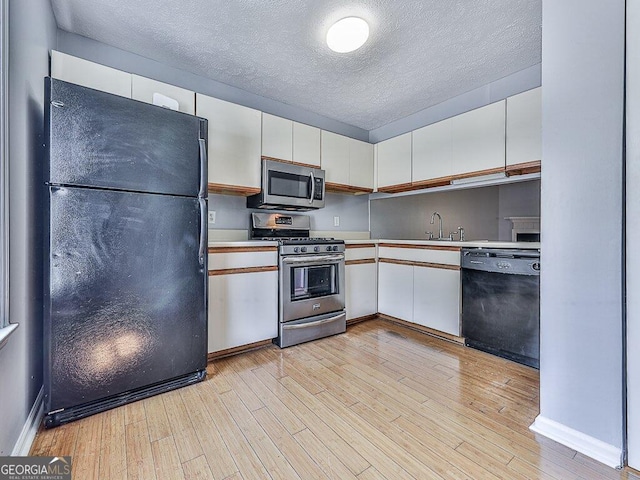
(360,252)
(419,253)
(226,258)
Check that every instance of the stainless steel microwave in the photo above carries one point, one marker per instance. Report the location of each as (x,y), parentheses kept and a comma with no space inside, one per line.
(286,186)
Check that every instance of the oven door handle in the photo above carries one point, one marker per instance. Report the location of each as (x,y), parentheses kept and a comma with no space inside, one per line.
(313,324)
(313,259)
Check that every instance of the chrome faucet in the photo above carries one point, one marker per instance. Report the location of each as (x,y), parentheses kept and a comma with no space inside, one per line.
(433,218)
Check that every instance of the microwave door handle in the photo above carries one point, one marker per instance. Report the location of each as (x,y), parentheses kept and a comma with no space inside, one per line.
(313,188)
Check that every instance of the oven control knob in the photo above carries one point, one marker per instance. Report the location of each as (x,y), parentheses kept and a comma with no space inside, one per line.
(316,249)
(335,248)
(328,248)
(303,249)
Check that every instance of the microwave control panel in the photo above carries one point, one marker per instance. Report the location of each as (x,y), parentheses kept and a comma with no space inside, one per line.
(317,195)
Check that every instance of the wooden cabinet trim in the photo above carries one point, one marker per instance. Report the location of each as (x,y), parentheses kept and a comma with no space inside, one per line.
(524,168)
(401,187)
(340,188)
(360,245)
(360,262)
(233,271)
(242,249)
(353,321)
(289,162)
(232,189)
(442,181)
(447,248)
(419,264)
(235,350)
(422,329)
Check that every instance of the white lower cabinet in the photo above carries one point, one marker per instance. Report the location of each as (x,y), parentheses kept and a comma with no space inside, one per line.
(395,290)
(361,290)
(420,285)
(436,298)
(243,309)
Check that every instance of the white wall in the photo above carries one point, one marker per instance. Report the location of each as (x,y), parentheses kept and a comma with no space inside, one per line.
(32,32)
(633,232)
(581,367)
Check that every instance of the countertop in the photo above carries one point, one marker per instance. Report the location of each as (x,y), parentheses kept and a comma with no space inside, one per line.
(469,244)
(444,243)
(245,243)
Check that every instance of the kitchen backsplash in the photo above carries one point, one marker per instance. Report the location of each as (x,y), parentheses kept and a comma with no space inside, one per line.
(481,211)
(352,212)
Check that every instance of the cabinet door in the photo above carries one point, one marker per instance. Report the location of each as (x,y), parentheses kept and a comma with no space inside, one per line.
(243,309)
(360,164)
(306,144)
(277,137)
(361,290)
(335,157)
(143,88)
(524,127)
(395,290)
(478,139)
(89,74)
(432,152)
(394,161)
(436,299)
(234,142)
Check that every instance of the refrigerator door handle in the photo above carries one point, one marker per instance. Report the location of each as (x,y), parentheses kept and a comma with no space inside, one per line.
(203,168)
(203,230)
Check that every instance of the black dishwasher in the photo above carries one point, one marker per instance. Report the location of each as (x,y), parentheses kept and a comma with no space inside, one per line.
(501,302)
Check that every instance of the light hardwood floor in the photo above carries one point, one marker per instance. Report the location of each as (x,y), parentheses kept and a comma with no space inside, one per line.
(380,401)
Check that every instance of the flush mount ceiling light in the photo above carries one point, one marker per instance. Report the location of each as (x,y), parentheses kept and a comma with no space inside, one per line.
(347,35)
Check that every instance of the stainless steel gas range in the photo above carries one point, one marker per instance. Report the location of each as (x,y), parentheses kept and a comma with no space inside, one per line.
(311,278)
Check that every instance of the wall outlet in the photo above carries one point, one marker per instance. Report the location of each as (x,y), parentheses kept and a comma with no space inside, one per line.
(212,217)
(336,221)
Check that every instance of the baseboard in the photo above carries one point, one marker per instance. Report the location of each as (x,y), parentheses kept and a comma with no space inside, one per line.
(30,428)
(585,444)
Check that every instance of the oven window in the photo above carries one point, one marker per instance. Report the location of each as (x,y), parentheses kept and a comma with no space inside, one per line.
(314,281)
(289,185)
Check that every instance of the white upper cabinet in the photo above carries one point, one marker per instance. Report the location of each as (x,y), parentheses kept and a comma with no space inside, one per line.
(144,89)
(394,161)
(306,144)
(277,137)
(524,127)
(335,158)
(234,144)
(432,151)
(347,162)
(360,164)
(290,141)
(89,74)
(479,139)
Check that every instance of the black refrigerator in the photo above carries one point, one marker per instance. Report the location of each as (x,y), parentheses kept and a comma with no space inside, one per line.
(125,313)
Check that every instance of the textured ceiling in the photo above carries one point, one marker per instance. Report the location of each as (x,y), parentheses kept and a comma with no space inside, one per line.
(419,53)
